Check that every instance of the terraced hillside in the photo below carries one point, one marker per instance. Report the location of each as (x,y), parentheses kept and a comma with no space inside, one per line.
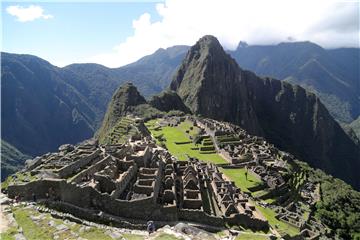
(121,132)
(179,140)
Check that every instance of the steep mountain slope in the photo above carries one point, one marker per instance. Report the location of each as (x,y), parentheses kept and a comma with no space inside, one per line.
(167,101)
(39,110)
(128,101)
(355,125)
(12,159)
(153,73)
(211,84)
(123,102)
(332,74)
(44,106)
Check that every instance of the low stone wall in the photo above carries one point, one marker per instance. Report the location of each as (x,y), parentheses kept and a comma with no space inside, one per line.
(91,170)
(200,216)
(246,221)
(87,197)
(126,178)
(74,167)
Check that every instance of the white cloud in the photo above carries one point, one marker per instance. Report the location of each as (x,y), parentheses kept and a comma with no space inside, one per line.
(27,14)
(255,21)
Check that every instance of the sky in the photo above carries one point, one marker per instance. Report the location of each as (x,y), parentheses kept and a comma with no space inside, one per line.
(117,33)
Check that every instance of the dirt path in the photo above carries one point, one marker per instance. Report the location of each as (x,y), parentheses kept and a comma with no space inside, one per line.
(4,222)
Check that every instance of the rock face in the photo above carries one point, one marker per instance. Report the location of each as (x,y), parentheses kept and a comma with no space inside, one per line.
(123,102)
(211,84)
(167,101)
(333,74)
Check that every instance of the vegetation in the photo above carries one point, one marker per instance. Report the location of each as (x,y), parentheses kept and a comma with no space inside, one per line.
(239,177)
(281,227)
(12,159)
(339,205)
(18,177)
(122,130)
(9,234)
(251,236)
(178,143)
(355,125)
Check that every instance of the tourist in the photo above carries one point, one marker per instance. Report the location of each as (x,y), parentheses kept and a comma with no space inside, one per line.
(34,197)
(150,227)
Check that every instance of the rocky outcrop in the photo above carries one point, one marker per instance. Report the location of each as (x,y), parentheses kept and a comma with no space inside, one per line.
(122,103)
(167,101)
(212,85)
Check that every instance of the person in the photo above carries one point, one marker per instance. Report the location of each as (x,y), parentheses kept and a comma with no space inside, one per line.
(34,197)
(150,227)
(246,173)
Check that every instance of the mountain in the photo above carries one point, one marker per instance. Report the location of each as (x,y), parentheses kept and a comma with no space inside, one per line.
(128,101)
(44,106)
(332,74)
(355,125)
(167,101)
(122,103)
(12,160)
(39,109)
(211,84)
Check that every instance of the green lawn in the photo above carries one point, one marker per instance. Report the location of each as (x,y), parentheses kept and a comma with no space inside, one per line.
(129,236)
(9,234)
(238,176)
(178,134)
(186,125)
(251,236)
(280,226)
(42,231)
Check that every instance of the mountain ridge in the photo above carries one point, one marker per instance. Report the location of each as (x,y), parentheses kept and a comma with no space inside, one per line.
(292,118)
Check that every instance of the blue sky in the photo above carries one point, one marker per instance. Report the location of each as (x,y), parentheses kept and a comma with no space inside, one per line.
(117,33)
(75,32)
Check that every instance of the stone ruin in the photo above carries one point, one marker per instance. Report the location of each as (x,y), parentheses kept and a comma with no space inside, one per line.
(139,181)
(268,164)
(136,182)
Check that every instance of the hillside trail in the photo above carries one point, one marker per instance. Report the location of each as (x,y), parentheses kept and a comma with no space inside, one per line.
(4,221)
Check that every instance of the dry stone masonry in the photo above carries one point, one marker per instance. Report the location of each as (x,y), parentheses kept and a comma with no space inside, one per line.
(138,181)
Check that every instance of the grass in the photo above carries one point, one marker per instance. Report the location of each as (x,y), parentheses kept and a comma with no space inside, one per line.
(9,234)
(280,226)
(164,236)
(238,176)
(20,178)
(178,134)
(129,236)
(251,236)
(42,231)
(31,229)
(186,125)
(95,234)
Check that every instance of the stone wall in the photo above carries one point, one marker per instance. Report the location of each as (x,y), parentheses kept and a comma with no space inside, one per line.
(192,215)
(246,221)
(125,180)
(92,170)
(74,167)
